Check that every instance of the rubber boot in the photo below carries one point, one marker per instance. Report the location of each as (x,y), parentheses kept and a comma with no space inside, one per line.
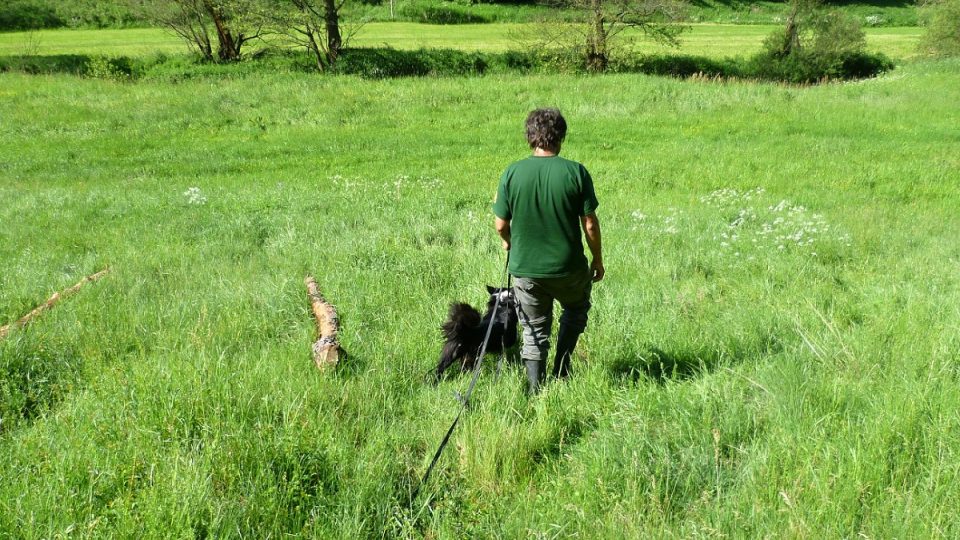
(566,342)
(535,375)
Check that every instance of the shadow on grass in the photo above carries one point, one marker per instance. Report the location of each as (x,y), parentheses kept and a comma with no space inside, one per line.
(35,376)
(660,366)
(684,363)
(874,3)
(734,4)
(383,62)
(568,432)
(70,64)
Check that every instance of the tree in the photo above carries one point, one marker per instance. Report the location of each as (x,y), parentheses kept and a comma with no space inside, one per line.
(942,19)
(811,29)
(817,44)
(234,23)
(314,24)
(600,22)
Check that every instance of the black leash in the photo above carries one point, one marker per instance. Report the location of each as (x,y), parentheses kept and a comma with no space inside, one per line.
(503,335)
(465,401)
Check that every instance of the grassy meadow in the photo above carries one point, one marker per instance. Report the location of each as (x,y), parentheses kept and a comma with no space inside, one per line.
(705,39)
(774,351)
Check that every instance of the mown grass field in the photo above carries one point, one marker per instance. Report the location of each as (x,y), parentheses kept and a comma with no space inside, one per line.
(714,40)
(773,353)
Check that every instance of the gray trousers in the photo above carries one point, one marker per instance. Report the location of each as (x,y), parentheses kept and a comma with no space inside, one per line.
(535,297)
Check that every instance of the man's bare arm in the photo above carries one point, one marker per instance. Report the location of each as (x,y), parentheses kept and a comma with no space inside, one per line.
(591,230)
(503,229)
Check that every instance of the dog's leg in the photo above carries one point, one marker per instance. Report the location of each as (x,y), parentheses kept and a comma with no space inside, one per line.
(449,355)
(469,361)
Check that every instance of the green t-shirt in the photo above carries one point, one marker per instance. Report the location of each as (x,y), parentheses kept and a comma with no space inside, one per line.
(543,198)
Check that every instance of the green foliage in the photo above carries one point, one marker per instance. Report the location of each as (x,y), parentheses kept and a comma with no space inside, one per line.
(875,13)
(807,67)
(558,58)
(385,62)
(596,28)
(817,44)
(33,64)
(677,65)
(942,19)
(35,14)
(433,12)
(28,15)
(835,33)
(96,66)
(379,63)
(98,13)
(216,29)
(101,67)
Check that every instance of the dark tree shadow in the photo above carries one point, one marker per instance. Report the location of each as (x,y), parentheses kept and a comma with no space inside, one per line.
(72,64)
(736,4)
(744,4)
(874,3)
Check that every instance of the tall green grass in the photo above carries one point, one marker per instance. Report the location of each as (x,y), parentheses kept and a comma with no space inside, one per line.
(738,389)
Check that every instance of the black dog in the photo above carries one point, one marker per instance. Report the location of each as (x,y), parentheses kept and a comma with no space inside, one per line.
(465,329)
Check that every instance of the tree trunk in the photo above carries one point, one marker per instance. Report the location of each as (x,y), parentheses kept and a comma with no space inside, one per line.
(205,48)
(331,19)
(597,40)
(314,46)
(791,38)
(229,46)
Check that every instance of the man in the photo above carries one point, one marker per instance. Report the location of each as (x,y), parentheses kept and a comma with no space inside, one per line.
(542,204)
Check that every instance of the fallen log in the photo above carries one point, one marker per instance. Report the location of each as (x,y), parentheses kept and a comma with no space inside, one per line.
(57,296)
(326,349)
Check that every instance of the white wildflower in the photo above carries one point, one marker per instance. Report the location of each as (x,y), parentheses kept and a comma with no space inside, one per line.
(195,196)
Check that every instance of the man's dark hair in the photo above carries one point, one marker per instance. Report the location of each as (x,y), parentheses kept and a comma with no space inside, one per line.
(546,129)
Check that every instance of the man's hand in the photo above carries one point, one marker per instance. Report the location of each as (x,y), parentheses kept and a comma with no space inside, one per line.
(503,229)
(597,268)
(591,229)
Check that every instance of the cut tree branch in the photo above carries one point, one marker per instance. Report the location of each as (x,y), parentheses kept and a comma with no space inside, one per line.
(326,350)
(23,321)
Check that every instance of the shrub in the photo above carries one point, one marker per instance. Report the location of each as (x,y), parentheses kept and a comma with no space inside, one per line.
(438,13)
(28,15)
(673,65)
(102,67)
(942,19)
(386,63)
(558,59)
(512,61)
(816,45)
(73,64)
(380,63)
(809,67)
(863,65)
(97,67)
(37,14)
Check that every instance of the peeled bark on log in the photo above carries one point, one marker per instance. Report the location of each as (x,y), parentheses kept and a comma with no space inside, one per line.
(23,321)
(326,350)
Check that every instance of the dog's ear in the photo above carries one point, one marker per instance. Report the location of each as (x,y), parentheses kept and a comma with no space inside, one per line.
(491,290)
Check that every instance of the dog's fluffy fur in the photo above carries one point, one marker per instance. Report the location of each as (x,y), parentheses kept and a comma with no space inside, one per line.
(465,329)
